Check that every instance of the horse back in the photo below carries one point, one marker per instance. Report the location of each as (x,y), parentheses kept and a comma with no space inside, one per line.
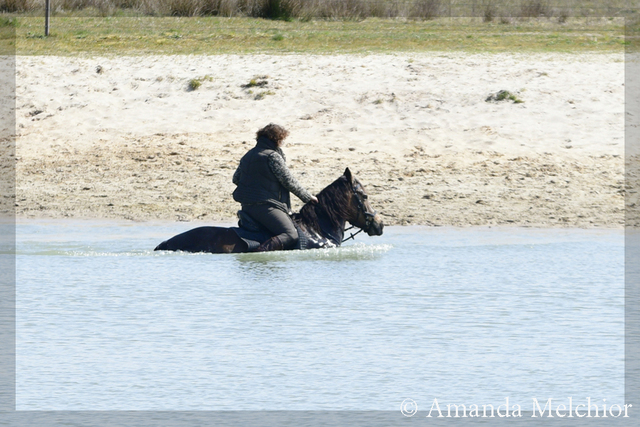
(205,239)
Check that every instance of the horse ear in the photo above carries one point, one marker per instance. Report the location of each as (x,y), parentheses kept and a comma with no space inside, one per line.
(347,173)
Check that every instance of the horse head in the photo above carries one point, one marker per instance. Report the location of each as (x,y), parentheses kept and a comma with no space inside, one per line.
(361,213)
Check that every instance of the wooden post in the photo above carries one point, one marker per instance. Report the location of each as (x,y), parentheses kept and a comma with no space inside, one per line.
(47,13)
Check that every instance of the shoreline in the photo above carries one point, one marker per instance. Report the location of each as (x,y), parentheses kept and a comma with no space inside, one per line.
(22,221)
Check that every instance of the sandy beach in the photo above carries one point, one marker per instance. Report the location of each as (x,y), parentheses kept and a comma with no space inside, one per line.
(127,138)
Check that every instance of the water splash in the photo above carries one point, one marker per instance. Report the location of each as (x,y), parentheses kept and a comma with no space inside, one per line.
(352,252)
(358,251)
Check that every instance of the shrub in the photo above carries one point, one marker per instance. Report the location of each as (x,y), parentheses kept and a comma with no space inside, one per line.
(225,8)
(426,9)
(534,9)
(489,12)
(14,6)
(342,9)
(182,7)
(284,10)
(562,17)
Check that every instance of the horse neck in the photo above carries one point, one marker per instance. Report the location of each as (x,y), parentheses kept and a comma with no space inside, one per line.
(325,227)
(326,217)
(333,232)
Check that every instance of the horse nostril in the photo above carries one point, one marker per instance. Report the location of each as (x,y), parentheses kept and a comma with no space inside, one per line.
(376,230)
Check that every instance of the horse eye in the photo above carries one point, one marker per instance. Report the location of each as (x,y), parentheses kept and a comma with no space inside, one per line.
(365,197)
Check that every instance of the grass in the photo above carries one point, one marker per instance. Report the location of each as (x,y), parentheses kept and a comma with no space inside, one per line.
(6,21)
(260,81)
(263,94)
(504,95)
(194,84)
(214,35)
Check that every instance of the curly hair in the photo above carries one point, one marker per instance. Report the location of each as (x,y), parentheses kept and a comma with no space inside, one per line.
(274,132)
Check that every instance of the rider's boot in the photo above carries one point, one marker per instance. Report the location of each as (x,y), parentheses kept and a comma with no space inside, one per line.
(273,244)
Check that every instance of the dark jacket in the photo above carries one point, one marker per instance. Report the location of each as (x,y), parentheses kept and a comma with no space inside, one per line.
(256,181)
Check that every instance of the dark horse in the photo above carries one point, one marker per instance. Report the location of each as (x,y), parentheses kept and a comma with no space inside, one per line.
(319,225)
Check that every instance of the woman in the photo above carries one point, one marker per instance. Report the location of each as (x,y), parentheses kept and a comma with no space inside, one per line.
(263,185)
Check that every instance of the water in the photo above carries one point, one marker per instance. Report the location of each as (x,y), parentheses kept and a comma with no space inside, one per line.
(462,315)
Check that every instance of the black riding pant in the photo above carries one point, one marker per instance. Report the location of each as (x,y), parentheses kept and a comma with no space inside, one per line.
(278,222)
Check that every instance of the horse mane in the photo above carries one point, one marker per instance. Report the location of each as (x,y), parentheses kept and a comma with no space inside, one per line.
(333,201)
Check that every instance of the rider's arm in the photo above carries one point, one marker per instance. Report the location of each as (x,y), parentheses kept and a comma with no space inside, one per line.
(236,176)
(288,181)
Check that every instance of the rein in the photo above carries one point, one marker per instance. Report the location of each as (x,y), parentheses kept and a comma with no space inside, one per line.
(352,235)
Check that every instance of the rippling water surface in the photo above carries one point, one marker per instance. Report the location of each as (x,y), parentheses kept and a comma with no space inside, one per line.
(463,315)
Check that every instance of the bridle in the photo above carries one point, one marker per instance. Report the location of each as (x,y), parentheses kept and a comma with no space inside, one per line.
(362,210)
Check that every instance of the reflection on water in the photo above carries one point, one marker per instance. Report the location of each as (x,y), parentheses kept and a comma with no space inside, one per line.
(464,315)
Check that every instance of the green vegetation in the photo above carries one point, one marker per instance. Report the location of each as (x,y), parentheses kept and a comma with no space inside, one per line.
(260,81)
(288,10)
(6,21)
(504,95)
(216,35)
(261,95)
(194,84)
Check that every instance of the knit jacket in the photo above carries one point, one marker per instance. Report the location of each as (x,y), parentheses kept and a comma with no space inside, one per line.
(263,177)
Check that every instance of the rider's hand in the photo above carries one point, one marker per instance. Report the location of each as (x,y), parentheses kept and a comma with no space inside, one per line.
(314,199)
